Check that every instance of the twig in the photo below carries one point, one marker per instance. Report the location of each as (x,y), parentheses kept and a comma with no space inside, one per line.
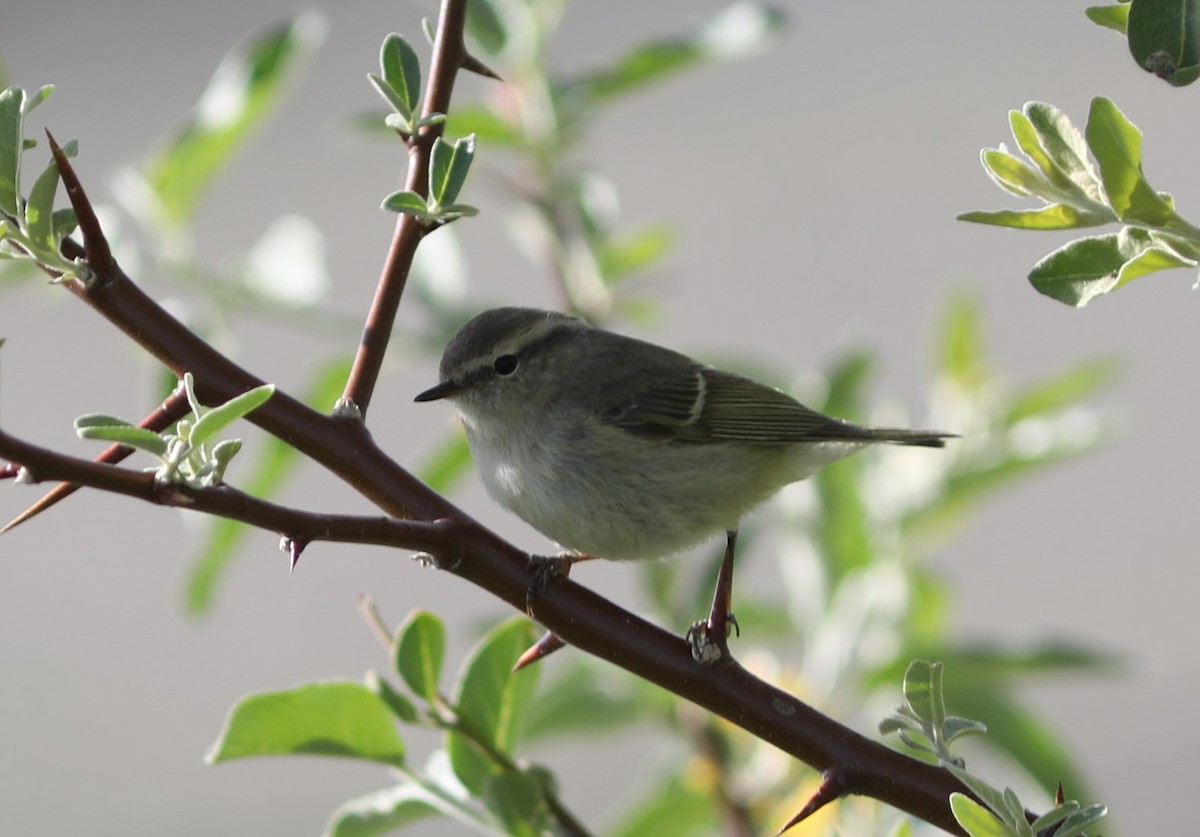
(170,411)
(432,524)
(448,56)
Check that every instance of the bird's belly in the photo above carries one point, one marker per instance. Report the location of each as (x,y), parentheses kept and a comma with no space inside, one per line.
(665,500)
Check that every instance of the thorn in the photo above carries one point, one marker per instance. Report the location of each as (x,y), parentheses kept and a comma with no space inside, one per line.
(544,647)
(170,411)
(474,65)
(294,547)
(97,254)
(1059,796)
(830,790)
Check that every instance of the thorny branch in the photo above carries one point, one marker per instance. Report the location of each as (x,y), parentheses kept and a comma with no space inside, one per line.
(420,519)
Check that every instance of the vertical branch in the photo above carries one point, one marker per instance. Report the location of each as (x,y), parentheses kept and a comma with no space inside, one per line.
(449,53)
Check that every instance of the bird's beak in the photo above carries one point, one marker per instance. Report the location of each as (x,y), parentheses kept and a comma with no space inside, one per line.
(446,389)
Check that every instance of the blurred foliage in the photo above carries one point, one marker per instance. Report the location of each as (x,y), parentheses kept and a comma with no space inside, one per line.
(855,601)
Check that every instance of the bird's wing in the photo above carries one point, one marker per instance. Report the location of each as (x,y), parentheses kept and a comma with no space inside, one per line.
(706,405)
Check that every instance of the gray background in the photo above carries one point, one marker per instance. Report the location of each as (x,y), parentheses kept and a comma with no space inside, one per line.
(870,117)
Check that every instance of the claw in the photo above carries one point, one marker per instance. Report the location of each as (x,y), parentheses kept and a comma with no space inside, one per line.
(544,569)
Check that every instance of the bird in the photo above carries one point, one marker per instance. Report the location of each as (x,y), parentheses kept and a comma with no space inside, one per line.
(618,448)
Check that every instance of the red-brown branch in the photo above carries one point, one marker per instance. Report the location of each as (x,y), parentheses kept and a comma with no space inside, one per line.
(449,53)
(460,545)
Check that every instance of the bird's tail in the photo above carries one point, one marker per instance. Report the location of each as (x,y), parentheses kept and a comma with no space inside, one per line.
(921,438)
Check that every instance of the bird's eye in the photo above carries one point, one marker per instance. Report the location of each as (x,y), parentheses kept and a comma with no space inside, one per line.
(505,364)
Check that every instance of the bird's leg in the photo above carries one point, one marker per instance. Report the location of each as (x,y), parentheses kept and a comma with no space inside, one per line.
(545,568)
(709,637)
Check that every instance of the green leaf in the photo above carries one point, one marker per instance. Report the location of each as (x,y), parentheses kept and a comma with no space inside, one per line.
(1061,390)
(1081,822)
(960,353)
(401,73)
(446,465)
(1063,145)
(448,167)
(1081,270)
(1164,38)
(740,30)
(384,811)
(675,807)
(453,211)
(923,692)
(64,223)
(394,98)
(401,706)
(275,461)
(491,701)
(128,435)
(516,800)
(12,115)
(621,256)
(220,417)
(336,718)
(1054,217)
(977,820)
(419,649)
(1117,145)
(842,531)
(409,203)
(485,26)
(489,127)
(1113,17)
(248,83)
(39,212)
(584,700)
(40,95)
(100,420)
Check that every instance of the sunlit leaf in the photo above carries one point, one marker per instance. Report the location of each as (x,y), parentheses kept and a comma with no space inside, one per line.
(128,435)
(1054,217)
(1117,145)
(1063,145)
(328,719)
(223,415)
(1112,17)
(275,461)
(1081,270)
(977,820)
